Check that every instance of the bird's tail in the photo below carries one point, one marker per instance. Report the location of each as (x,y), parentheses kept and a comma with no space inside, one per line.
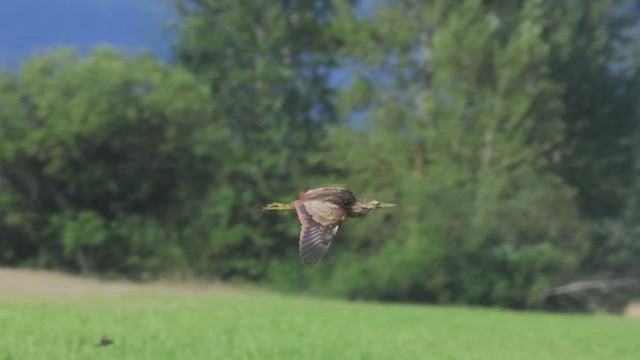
(277,206)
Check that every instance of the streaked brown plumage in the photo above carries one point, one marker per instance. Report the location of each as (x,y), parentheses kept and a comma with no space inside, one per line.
(321,211)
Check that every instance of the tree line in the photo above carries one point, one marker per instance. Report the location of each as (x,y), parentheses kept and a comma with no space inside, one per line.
(507,133)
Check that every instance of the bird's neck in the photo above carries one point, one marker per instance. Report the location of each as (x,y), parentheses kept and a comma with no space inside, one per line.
(357,210)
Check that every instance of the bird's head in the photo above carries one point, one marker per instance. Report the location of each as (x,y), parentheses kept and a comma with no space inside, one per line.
(364,206)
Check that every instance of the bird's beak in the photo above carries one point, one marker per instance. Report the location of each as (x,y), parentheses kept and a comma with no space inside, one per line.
(386,205)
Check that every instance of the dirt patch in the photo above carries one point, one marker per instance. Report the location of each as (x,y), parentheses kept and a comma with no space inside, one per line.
(25,284)
(633,310)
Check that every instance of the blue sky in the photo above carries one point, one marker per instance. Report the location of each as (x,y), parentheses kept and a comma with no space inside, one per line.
(29,27)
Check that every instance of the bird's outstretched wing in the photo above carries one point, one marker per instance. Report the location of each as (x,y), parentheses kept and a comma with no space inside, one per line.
(336,195)
(320,221)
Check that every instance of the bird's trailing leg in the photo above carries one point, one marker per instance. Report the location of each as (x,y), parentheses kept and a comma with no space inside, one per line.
(277,206)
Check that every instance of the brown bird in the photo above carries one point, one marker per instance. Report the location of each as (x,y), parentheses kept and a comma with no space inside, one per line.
(104,341)
(321,211)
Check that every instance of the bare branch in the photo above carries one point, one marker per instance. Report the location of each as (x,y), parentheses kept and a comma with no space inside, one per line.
(605,285)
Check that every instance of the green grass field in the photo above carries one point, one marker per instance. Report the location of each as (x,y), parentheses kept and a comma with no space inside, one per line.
(267,326)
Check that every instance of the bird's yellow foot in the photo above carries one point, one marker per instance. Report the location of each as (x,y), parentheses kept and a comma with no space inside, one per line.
(276,206)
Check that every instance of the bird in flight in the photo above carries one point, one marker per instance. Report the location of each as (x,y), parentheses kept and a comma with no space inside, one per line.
(321,211)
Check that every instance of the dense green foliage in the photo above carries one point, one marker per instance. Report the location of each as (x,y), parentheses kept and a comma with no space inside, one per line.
(266,67)
(471,144)
(103,165)
(508,134)
(263,326)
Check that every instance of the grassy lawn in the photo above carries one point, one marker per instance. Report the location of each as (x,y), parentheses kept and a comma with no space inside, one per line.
(266,326)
